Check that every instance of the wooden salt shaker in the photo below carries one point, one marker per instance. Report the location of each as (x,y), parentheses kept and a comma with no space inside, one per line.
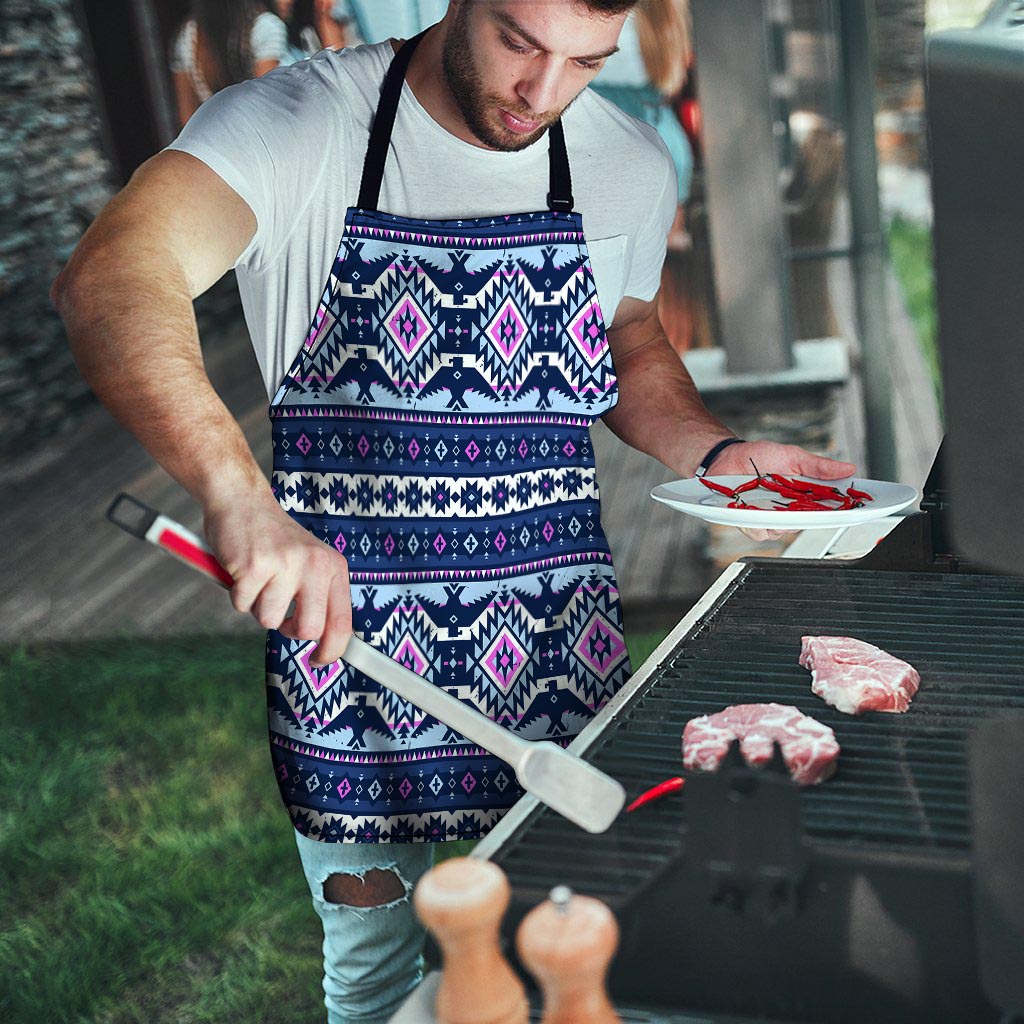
(462,902)
(567,943)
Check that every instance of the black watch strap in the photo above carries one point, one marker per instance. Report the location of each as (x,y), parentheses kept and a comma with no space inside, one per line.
(705,463)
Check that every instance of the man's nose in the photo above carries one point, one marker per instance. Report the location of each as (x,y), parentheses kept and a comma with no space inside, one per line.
(539,90)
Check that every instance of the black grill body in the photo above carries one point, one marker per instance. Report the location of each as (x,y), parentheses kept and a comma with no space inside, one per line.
(745,895)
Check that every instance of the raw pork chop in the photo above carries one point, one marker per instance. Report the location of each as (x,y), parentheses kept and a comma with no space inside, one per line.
(809,748)
(855,677)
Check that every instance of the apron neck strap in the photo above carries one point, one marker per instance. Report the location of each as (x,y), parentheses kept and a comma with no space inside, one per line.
(560,194)
(559,197)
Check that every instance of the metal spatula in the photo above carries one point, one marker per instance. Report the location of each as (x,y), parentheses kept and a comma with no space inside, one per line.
(573,788)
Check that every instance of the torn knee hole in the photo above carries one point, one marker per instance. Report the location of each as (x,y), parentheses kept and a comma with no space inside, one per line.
(374,889)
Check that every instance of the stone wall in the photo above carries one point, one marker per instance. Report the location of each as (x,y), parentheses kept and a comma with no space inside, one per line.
(54,178)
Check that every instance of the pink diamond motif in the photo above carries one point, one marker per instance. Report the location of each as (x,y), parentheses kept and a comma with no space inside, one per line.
(472,451)
(339,543)
(504,659)
(407,325)
(468,782)
(500,541)
(524,449)
(600,645)
(304,444)
(507,330)
(414,449)
(548,531)
(409,655)
(389,544)
(440,544)
(405,788)
(569,448)
(587,329)
(344,788)
(363,445)
(318,678)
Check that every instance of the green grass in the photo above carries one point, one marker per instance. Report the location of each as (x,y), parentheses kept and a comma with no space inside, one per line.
(147,867)
(152,872)
(910,246)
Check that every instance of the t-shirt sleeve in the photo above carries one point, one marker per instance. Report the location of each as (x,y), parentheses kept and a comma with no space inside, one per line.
(268,139)
(269,38)
(649,251)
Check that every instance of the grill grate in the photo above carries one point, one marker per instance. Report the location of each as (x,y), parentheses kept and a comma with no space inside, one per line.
(902,779)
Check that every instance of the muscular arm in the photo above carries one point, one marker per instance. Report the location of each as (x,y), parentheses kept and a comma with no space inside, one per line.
(661,413)
(126,301)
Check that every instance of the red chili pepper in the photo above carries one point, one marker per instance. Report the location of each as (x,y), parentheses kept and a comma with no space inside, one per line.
(793,485)
(749,485)
(720,488)
(808,487)
(863,495)
(656,793)
(807,505)
(787,492)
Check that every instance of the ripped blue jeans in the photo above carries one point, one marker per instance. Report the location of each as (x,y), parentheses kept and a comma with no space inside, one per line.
(372,954)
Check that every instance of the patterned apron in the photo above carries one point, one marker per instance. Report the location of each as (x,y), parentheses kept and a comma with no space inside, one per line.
(434,429)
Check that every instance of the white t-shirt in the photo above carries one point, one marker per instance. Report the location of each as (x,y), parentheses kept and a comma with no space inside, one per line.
(292,144)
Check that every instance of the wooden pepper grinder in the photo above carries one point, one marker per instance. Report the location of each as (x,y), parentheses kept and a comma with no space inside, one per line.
(462,902)
(567,943)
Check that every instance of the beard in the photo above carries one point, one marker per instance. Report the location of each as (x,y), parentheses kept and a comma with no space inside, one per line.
(478,107)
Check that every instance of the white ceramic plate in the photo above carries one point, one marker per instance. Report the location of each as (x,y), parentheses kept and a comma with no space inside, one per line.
(693,498)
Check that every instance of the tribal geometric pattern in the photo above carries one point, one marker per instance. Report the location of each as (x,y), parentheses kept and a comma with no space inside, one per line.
(434,429)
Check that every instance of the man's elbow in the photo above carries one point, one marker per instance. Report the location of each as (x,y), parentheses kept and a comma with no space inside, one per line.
(80,283)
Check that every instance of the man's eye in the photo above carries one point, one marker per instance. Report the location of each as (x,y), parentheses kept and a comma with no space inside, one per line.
(589,65)
(514,47)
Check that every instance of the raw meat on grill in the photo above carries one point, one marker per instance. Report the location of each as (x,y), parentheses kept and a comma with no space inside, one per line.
(809,748)
(855,677)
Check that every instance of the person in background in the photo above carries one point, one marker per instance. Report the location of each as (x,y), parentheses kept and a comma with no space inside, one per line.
(647,74)
(314,25)
(221,43)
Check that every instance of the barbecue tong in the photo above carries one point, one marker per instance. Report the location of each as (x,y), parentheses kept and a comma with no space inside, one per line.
(572,787)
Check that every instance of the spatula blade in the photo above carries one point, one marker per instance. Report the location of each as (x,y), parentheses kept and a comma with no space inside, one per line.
(572,787)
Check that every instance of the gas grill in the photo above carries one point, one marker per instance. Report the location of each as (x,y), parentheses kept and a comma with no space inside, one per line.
(746,896)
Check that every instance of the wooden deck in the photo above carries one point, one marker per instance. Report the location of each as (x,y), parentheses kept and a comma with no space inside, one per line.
(73,575)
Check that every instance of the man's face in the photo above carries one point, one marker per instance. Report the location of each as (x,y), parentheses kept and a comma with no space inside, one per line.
(513,66)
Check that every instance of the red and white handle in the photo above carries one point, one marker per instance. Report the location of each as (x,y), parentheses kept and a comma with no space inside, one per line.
(147,524)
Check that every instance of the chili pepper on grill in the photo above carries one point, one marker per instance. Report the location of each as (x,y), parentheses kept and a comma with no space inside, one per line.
(656,793)
(720,488)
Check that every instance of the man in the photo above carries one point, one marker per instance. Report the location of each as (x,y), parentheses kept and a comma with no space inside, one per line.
(433,479)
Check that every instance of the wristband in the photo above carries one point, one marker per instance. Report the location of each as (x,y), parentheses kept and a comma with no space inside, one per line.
(705,463)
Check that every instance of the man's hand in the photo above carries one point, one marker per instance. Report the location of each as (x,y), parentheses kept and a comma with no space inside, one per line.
(274,562)
(770,457)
